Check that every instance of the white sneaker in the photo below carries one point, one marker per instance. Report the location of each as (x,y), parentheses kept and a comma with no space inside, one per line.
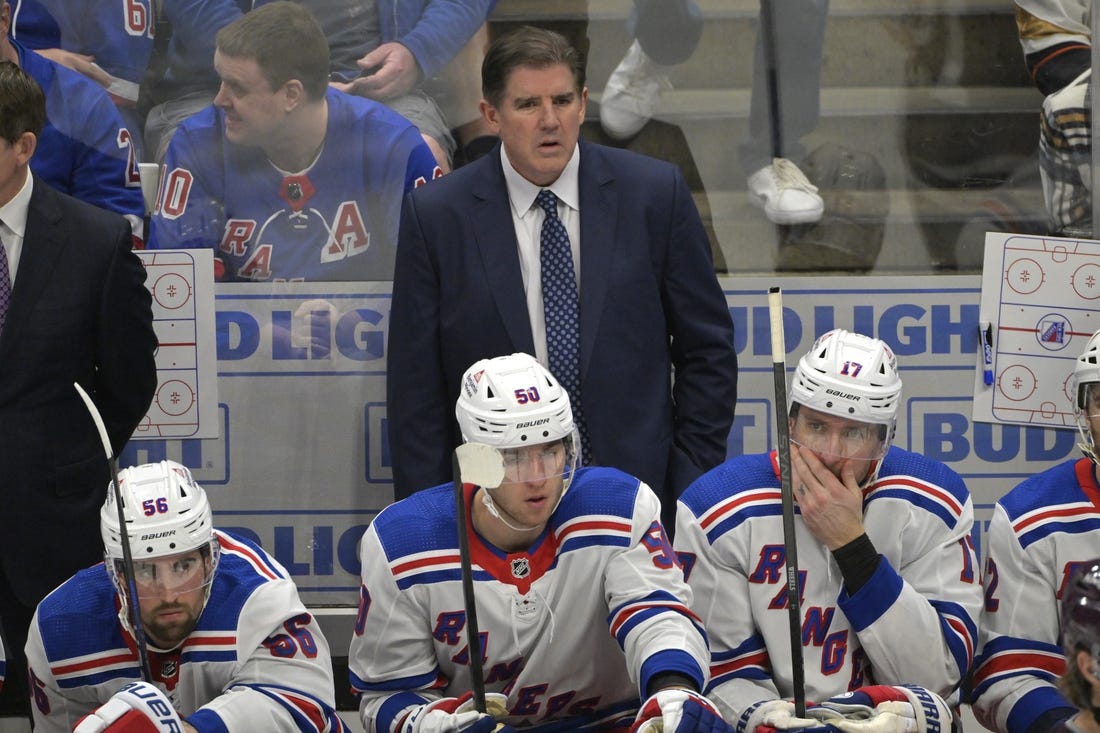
(785,194)
(631,94)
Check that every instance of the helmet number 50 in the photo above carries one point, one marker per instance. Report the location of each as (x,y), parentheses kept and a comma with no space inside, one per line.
(531,394)
(149,507)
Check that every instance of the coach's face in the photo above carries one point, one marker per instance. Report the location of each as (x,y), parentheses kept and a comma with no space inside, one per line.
(538,120)
(14,158)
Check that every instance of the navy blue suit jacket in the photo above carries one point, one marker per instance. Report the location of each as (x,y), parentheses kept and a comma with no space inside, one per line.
(79,312)
(649,303)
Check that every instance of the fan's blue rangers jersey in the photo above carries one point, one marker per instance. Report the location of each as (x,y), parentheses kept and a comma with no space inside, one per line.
(85,150)
(118,34)
(256,661)
(1041,532)
(571,631)
(913,622)
(336,220)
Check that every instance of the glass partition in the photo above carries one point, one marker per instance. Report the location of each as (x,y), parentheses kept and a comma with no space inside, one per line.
(909,129)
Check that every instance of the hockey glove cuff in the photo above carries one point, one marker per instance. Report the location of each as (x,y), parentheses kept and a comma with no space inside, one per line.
(454,714)
(677,710)
(770,715)
(886,709)
(138,707)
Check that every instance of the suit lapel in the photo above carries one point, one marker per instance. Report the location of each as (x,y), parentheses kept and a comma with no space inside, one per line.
(43,243)
(599,211)
(491,214)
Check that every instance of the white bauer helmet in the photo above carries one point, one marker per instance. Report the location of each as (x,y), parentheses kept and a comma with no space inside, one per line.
(166,513)
(852,376)
(1085,372)
(513,402)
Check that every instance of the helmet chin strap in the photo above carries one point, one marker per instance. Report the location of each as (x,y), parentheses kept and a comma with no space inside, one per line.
(491,507)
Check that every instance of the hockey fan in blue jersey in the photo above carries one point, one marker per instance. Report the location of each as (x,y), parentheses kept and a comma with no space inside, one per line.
(107,41)
(230,645)
(581,605)
(85,148)
(283,177)
(1080,617)
(890,591)
(1041,531)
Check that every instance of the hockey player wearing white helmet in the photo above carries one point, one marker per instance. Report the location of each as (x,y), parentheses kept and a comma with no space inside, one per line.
(581,604)
(1041,532)
(230,645)
(890,594)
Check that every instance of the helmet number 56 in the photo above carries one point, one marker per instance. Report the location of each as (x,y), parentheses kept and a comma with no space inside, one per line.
(149,507)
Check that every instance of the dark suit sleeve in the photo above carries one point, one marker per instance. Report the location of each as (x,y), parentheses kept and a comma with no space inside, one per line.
(126,374)
(419,412)
(701,343)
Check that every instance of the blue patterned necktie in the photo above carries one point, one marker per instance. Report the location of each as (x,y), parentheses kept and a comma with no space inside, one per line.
(5,279)
(561,310)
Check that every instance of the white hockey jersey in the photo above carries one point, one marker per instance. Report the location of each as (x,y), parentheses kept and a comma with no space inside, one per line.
(914,621)
(1041,532)
(571,631)
(256,661)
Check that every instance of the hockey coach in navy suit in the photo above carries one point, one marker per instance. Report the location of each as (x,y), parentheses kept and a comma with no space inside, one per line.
(73,308)
(467,285)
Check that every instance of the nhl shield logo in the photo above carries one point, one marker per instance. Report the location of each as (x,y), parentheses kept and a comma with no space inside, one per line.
(521,568)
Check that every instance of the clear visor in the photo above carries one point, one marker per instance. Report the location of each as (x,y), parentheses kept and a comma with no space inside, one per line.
(1088,399)
(848,441)
(171,575)
(536,463)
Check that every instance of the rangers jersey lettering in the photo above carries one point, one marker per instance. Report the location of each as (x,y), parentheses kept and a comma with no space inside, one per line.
(1041,531)
(913,622)
(571,631)
(336,220)
(254,639)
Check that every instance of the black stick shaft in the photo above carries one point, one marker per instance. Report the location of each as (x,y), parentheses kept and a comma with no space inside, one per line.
(477,677)
(794,610)
(131,583)
(134,606)
(771,63)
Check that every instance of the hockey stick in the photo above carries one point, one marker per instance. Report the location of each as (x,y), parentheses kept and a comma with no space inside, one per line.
(127,557)
(771,71)
(482,465)
(149,174)
(794,611)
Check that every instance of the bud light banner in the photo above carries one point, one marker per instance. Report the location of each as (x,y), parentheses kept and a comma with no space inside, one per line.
(301,461)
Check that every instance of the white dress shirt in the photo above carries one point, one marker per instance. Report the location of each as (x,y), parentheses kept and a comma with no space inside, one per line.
(13,225)
(527,217)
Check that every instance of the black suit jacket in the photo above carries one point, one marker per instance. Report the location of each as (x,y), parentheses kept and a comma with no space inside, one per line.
(79,313)
(649,304)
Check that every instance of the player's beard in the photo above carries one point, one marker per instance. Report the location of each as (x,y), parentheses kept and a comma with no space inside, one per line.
(168,634)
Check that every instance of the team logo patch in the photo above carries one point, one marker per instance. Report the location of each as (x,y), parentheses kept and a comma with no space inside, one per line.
(521,568)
